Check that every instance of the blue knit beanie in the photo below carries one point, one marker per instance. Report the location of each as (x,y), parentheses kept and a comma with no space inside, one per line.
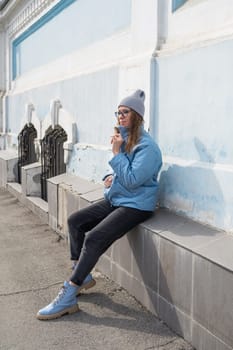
(135,102)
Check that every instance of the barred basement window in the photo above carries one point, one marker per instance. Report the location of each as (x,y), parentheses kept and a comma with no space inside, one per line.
(52,156)
(26,148)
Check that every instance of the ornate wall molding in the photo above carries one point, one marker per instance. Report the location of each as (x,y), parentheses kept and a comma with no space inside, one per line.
(27,15)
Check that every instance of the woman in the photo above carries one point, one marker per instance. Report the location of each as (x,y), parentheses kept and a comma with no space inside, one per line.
(130,196)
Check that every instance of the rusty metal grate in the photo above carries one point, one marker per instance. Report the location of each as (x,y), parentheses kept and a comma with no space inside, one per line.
(26,147)
(52,156)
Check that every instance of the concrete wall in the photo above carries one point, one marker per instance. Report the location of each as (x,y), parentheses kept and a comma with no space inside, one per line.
(88,22)
(81,97)
(197,20)
(2,58)
(181,60)
(108,59)
(194,126)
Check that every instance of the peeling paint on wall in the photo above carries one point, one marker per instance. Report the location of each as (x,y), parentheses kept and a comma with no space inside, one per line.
(90,162)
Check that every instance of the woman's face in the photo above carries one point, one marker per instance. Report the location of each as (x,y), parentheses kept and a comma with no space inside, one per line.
(124,116)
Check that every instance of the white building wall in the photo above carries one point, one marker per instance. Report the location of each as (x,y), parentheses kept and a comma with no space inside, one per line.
(194,107)
(111,58)
(2,58)
(182,59)
(197,22)
(2,85)
(68,28)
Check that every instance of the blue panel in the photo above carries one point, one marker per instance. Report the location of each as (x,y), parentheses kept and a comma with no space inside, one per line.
(43,20)
(65,29)
(177,3)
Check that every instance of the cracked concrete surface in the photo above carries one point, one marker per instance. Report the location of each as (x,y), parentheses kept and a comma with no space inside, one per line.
(34,264)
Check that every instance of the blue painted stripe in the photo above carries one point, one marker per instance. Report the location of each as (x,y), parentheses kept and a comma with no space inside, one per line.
(176,4)
(34,27)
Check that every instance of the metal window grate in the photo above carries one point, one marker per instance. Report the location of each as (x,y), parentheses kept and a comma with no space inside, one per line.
(26,147)
(52,156)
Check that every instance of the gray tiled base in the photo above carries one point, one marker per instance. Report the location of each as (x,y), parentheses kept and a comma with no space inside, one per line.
(104,265)
(213,299)
(177,320)
(183,274)
(175,275)
(203,339)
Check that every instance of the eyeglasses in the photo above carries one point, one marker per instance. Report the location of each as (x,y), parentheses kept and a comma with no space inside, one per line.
(124,113)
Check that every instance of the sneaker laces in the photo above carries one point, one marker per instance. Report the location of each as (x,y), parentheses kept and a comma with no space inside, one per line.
(60,295)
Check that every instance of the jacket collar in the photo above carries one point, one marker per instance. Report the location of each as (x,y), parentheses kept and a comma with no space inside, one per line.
(125,132)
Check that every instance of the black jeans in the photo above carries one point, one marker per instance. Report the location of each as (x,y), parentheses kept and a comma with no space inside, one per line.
(93,229)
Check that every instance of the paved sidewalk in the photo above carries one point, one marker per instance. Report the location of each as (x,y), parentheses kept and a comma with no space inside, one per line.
(34,264)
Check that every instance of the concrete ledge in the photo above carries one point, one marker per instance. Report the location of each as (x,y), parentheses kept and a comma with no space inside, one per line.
(183,272)
(66,194)
(35,204)
(30,179)
(8,167)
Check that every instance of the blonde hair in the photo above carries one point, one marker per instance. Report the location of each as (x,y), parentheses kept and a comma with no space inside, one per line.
(134,132)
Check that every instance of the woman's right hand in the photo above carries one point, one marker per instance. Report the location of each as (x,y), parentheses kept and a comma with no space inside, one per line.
(108,181)
(116,142)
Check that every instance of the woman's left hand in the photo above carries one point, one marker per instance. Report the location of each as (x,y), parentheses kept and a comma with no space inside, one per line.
(116,142)
(108,181)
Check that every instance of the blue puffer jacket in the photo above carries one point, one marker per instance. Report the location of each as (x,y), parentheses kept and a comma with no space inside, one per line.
(135,174)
